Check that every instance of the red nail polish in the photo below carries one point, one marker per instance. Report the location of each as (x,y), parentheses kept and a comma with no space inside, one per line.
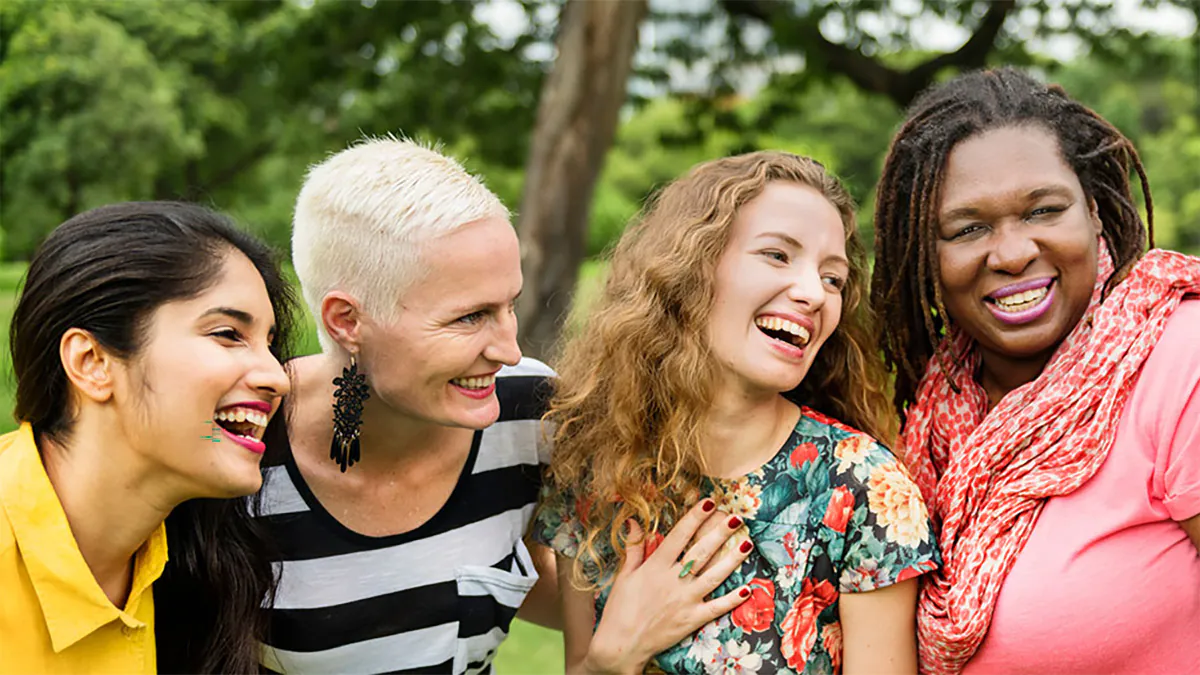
(735,523)
(745,593)
(708,505)
(746,546)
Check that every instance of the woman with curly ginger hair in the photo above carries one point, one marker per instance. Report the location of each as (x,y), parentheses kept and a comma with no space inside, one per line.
(731,316)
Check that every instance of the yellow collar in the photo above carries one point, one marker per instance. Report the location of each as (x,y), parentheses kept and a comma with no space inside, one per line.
(72,601)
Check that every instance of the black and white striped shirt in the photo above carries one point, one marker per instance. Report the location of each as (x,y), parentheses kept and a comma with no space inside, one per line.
(438,599)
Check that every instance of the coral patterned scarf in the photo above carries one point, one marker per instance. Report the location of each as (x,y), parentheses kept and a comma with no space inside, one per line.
(986,476)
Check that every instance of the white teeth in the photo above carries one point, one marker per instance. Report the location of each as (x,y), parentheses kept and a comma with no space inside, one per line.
(780,324)
(1019,301)
(475,382)
(254,417)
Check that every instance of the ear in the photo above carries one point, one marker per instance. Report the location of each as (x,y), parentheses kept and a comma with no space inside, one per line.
(342,316)
(1094,216)
(87,364)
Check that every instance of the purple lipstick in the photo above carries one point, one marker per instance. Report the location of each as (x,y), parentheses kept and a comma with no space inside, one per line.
(1023,301)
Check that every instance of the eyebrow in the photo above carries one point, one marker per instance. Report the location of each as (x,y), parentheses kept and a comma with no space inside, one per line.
(1037,193)
(479,307)
(794,243)
(235,314)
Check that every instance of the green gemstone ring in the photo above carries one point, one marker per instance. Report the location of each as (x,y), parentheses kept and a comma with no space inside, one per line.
(687,568)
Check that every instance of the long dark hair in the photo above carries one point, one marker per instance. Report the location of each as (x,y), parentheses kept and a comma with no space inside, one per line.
(106,271)
(904,289)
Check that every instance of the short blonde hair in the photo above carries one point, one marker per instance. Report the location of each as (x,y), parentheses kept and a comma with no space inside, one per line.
(364,213)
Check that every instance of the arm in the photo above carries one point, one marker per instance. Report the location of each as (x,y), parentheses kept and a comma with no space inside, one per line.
(879,630)
(579,615)
(542,604)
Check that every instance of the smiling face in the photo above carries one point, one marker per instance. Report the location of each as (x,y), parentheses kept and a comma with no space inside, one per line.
(1017,242)
(456,328)
(778,288)
(196,397)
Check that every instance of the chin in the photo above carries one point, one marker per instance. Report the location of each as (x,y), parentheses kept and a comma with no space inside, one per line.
(234,486)
(777,382)
(244,478)
(476,419)
(1035,344)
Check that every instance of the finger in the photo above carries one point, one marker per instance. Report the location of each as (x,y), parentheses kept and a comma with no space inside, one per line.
(711,542)
(727,538)
(714,522)
(635,546)
(672,545)
(725,562)
(718,607)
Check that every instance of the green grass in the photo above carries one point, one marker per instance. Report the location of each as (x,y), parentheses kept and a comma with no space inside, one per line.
(10,280)
(529,650)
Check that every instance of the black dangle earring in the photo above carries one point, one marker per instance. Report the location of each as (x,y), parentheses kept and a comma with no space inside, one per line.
(348,398)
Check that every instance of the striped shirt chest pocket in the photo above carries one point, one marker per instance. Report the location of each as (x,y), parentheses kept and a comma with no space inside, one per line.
(489,598)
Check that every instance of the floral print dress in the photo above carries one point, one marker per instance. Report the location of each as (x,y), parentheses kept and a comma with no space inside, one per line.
(833,512)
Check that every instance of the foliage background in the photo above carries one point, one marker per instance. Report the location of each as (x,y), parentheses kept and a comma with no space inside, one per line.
(227,103)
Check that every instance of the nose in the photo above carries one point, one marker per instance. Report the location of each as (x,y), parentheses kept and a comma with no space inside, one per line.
(806,288)
(1013,250)
(503,347)
(268,376)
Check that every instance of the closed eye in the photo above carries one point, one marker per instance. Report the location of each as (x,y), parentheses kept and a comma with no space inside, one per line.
(1045,211)
(968,230)
(228,334)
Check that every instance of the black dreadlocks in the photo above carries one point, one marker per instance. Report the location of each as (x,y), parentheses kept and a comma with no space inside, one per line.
(905,293)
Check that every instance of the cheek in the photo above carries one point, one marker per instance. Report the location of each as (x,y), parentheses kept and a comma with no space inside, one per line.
(955,265)
(831,315)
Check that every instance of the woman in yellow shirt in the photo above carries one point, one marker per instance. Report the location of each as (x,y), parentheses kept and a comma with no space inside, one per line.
(146,351)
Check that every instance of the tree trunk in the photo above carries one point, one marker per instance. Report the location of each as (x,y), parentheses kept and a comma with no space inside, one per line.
(576,121)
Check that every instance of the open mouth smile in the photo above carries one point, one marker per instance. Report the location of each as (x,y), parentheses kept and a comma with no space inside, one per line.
(1022,302)
(475,386)
(783,330)
(245,423)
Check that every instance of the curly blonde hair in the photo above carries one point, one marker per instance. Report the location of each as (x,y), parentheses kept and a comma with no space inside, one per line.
(636,383)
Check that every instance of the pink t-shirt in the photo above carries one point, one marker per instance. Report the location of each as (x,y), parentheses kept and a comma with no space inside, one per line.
(1108,581)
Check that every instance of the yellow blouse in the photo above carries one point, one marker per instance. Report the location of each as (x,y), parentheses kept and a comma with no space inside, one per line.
(54,618)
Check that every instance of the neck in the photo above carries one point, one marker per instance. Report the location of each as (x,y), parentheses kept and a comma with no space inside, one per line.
(1000,374)
(112,501)
(743,431)
(390,442)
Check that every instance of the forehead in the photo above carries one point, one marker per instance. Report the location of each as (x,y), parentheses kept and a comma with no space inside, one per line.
(478,263)
(236,284)
(793,209)
(1002,163)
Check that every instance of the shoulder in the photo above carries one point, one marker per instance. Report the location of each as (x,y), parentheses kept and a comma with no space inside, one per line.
(851,462)
(1172,369)
(524,390)
(8,538)
(11,476)
(845,449)
(1181,335)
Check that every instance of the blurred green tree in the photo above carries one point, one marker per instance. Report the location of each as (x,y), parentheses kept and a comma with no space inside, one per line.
(229,102)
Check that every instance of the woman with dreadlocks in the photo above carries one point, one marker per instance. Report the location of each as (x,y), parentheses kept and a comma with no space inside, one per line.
(1049,378)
